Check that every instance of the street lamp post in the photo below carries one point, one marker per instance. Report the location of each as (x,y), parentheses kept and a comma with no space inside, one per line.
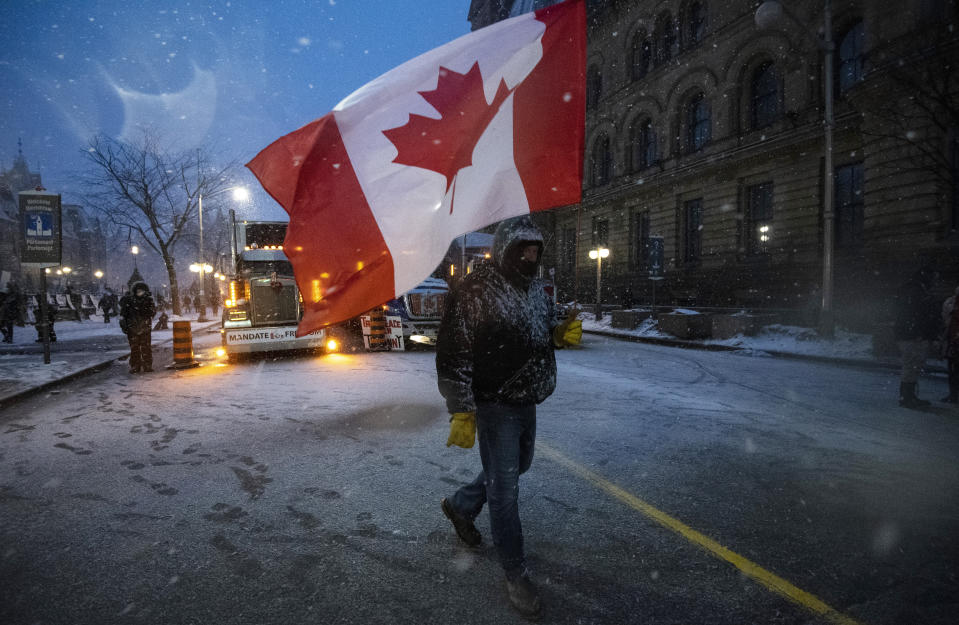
(240,194)
(202,311)
(598,255)
(135,250)
(769,13)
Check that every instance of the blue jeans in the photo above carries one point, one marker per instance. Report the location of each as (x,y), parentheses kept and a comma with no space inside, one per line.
(506,436)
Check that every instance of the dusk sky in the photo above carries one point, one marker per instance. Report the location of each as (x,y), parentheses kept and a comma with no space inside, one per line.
(228,75)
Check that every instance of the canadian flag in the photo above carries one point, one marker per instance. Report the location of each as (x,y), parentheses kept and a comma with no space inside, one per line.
(486,127)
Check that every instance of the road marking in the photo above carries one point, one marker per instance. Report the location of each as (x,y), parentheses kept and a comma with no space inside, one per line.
(756,572)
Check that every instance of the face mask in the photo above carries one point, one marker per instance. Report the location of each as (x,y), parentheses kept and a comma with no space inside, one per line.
(527,268)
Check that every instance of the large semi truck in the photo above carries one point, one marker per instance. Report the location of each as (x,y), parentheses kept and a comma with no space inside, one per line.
(263,305)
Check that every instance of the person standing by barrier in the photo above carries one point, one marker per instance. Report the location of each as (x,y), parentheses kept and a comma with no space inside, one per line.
(916,326)
(950,344)
(136,320)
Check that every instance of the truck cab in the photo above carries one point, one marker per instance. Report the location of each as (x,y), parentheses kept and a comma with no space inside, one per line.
(421,310)
(263,305)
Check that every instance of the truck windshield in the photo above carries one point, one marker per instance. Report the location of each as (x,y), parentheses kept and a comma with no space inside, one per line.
(246,269)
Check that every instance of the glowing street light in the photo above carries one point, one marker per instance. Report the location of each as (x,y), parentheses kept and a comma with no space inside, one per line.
(135,250)
(598,255)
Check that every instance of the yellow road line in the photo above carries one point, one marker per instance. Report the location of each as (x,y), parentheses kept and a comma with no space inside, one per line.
(756,572)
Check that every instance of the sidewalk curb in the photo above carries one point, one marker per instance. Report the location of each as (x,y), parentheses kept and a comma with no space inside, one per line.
(831,360)
(8,400)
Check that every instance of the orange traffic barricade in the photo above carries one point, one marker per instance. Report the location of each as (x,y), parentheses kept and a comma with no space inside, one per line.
(183,346)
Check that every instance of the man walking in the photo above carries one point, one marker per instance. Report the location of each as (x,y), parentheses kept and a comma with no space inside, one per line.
(136,312)
(494,363)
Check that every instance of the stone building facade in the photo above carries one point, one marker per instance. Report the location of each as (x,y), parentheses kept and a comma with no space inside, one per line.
(707,130)
(83,240)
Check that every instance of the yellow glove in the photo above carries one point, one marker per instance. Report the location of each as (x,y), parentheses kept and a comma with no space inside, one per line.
(462,429)
(574,333)
(570,332)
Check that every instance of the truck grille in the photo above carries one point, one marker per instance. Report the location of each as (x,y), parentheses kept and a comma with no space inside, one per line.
(274,303)
(426,304)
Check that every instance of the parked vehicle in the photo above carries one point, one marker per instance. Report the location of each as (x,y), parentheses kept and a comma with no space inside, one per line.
(263,307)
(421,310)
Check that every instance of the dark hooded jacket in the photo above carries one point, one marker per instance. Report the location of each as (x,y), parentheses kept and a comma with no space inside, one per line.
(917,312)
(495,342)
(137,312)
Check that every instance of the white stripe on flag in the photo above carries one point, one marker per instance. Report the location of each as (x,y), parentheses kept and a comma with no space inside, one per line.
(411,204)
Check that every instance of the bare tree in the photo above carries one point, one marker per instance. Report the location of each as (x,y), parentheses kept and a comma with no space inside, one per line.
(151,191)
(919,112)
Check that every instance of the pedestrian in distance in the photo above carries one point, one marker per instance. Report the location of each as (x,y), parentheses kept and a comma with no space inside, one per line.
(916,326)
(21,303)
(162,321)
(950,344)
(9,311)
(107,305)
(198,306)
(136,320)
(494,364)
(187,304)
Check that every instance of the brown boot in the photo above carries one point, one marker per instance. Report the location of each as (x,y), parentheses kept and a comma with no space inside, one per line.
(464,527)
(523,595)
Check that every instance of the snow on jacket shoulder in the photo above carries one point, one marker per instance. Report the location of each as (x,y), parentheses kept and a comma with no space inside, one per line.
(495,340)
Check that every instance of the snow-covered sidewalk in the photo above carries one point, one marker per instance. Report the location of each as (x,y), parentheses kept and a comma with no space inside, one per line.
(23,373)
(775,339)
(90,329)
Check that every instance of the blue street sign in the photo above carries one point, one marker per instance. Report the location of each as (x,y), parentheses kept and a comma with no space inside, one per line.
(41,231)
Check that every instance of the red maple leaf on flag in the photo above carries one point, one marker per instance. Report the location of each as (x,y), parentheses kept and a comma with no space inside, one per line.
(446,145)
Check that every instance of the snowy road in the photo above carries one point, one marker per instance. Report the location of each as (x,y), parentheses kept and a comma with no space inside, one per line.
(307,490)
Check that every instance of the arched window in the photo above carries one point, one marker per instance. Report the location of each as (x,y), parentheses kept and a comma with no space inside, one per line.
(642,56)
(642,144)
(698,122)
(594,85)
(850,57)
(601,164)
(665,38)
(695,24)
(764,96)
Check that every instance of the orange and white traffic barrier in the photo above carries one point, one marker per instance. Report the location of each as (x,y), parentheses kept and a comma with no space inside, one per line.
(183,346)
